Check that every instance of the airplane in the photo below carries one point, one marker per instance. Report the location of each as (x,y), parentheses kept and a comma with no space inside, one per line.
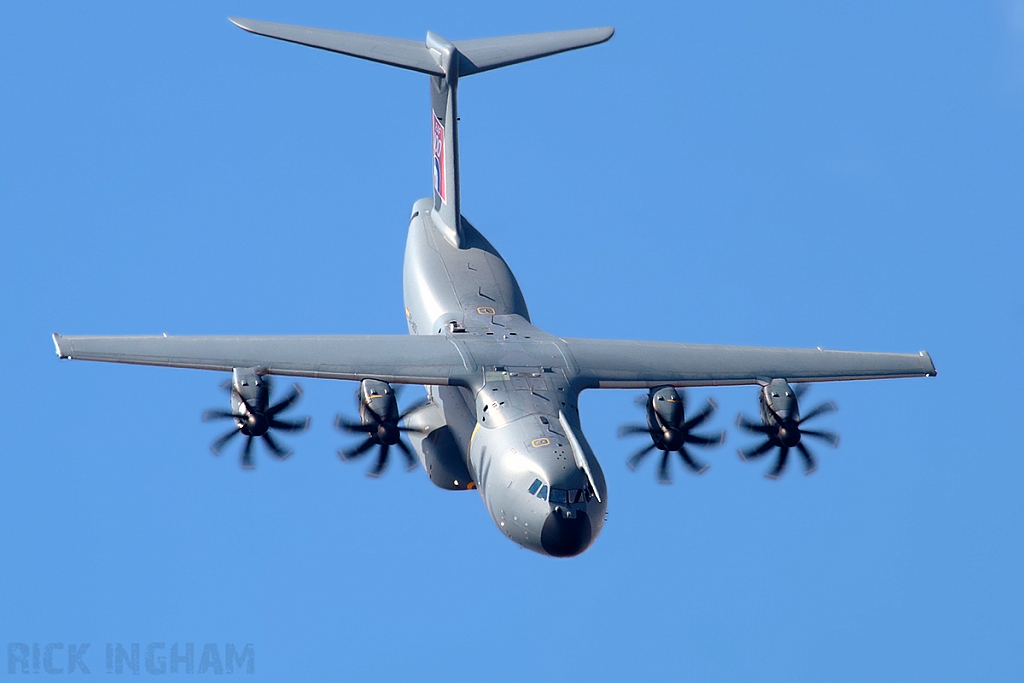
(501,414)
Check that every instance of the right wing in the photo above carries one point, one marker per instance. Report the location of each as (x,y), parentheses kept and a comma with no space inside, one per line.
(401,359)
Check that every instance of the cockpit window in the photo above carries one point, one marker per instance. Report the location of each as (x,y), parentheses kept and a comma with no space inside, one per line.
(558,496)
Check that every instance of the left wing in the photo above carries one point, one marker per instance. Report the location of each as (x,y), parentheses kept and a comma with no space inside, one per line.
(401,359)
(637,365)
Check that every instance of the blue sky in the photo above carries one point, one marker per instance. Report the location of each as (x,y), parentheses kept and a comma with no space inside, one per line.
(844,175)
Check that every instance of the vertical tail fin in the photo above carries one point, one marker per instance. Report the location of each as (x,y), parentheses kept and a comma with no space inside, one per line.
(444,114)
(444,62)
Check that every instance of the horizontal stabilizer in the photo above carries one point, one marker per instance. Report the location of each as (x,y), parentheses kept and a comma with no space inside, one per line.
(476,56)
(407,54)
(484,54)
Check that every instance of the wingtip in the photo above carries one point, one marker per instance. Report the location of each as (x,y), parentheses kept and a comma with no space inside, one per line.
(240,23)
(61,353)
(931,371)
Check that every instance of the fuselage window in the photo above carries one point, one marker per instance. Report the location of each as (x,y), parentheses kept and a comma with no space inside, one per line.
(543,495)
(559,496)
(534,486)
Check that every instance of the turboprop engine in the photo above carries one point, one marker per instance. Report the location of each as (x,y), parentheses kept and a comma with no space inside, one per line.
(670,431)
(379,422)
(253,415)
(782,426)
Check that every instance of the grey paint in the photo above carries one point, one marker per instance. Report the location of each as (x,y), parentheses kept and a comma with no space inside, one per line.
(503,394)
(475,56)
(407,54)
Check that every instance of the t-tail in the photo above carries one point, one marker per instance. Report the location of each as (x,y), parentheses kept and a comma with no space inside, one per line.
(445,62)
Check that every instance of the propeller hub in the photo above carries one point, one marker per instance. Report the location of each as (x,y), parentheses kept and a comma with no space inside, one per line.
(388,433)
(256,424)
(789,433)
(673,438)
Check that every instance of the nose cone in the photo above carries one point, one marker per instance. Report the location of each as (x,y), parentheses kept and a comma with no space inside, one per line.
(565,537)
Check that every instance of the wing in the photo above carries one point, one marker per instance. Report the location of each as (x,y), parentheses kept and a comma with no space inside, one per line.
(401,359)
(635,364)
(440,360)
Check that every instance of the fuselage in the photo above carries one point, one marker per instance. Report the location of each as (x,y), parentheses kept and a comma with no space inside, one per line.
(516,427)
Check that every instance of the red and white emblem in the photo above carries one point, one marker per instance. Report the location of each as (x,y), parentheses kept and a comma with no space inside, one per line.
(438,145)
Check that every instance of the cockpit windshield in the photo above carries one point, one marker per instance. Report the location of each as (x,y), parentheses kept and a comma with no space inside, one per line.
(558,496)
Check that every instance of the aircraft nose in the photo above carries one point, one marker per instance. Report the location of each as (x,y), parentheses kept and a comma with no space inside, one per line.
(564,537)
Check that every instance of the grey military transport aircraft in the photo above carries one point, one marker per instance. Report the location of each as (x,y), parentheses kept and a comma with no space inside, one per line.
(501,411)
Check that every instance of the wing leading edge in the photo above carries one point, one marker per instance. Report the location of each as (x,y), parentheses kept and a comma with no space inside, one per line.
(402,359)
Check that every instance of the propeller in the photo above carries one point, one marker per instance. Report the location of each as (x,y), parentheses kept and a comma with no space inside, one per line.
(255,419)
(785,430)
(671,432)
(381,430)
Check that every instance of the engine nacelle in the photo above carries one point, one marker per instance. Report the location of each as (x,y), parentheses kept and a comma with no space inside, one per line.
(379,397)
(664,403)
(250,387)
(778,403)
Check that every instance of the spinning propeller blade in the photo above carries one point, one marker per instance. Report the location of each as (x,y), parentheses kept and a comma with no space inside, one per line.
(785,433)
(671,432)
(253,420)
(381,431)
